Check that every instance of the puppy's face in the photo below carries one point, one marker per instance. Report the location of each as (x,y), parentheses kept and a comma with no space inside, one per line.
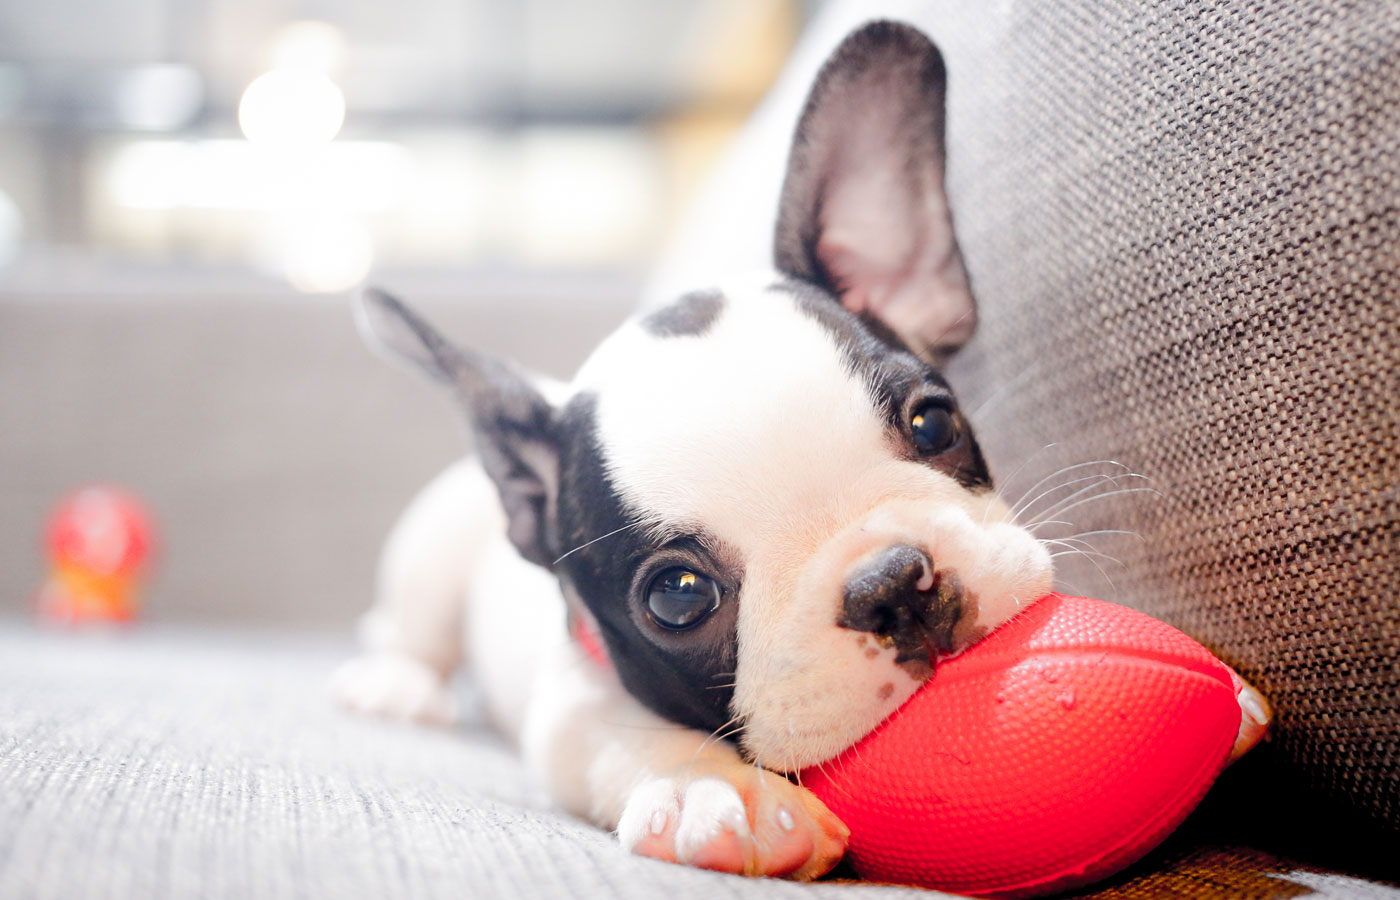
(755,456)
(769,505)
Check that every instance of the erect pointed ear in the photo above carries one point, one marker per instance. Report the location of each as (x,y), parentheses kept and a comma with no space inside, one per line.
(512,423)
(863,211)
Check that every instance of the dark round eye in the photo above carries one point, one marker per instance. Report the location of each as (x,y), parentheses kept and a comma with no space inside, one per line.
(679,598)
(933,427)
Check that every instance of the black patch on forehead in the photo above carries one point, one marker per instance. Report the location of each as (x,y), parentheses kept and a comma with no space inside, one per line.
(691,315)
(685,677)
(891,371)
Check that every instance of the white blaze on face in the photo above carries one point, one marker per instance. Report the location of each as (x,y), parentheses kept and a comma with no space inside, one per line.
(759,434)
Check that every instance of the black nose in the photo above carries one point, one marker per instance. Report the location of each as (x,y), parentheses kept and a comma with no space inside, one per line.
(896,596)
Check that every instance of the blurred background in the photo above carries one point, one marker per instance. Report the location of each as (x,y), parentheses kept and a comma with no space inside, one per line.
(190,188)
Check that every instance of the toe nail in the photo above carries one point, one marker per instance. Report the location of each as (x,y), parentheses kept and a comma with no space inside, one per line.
(1253,708)
(785,819)
(658,821)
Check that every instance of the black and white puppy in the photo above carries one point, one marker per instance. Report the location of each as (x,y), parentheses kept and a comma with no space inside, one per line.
(762,504)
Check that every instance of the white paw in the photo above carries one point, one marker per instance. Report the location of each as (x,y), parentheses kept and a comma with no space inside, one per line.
(394,686)
(732,817)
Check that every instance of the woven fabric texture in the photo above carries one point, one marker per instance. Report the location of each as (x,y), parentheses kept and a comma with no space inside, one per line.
(210,765)
(160,764)
(1182,221)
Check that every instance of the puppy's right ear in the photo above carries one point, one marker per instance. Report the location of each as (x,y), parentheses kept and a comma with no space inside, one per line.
(512,423)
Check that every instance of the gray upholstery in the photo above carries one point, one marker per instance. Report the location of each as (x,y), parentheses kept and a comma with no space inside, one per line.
(172,764)
(166,763)
(1183,222)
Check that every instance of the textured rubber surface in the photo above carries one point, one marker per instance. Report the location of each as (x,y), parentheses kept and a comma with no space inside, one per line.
(1057,751)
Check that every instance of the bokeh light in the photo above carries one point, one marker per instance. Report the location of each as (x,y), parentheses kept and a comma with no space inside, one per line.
(11,226)
(315,46)
(322,254)
(291,107)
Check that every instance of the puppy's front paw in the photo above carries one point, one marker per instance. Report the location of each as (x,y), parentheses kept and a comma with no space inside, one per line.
(732,817)
(394,686)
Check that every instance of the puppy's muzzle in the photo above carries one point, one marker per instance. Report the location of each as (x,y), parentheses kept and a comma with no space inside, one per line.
(898,596)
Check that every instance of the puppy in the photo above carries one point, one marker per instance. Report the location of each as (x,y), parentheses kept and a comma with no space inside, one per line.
(749,528)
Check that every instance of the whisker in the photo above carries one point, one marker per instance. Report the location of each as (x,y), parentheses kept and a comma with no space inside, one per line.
(1034,525)
(594,541)
(1066,470)
(950,329)
(734,725)
(1068,541)
(1109,531)
(763,783)
(1086,553)
(844,789)
(1095,481)
(1136,490)
(1017,471)
(1090,557)
(1111,586)
(1021,508)
(1073,586)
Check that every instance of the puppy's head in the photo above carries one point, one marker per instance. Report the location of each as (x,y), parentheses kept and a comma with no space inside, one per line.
(765,496)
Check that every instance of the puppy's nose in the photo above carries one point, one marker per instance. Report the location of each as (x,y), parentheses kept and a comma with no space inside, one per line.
(896,596)
(882,594)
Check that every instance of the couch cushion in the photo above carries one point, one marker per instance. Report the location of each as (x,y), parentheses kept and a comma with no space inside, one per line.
(1183,222)
(171,764)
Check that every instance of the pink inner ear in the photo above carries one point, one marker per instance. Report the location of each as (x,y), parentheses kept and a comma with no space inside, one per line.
(922,298)
(864,279)
(860,288)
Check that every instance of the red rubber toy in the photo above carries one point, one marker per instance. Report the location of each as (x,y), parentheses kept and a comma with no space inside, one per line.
(1055,752)
(100,541)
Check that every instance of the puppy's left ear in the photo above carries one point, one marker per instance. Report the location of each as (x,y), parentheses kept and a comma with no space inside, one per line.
(511,422)
(863,210)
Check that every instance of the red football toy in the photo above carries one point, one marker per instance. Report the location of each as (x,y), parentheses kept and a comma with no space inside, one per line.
(1055,752)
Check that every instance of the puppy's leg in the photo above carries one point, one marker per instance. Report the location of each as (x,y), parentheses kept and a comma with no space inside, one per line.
(671,792)
(413,635)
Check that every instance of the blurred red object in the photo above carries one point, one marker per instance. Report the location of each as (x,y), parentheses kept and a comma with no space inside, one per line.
(99,542)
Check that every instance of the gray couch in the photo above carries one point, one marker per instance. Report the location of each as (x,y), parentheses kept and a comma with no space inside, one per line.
(194,762)
(1182,223)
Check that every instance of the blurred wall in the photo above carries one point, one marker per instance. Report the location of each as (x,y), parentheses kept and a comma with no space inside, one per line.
(272,447)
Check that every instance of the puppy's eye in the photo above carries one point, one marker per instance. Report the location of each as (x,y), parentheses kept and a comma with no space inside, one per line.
(933,427)
(679,598)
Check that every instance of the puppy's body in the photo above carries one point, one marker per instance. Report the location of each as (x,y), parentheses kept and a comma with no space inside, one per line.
(823,491)
(761,504)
